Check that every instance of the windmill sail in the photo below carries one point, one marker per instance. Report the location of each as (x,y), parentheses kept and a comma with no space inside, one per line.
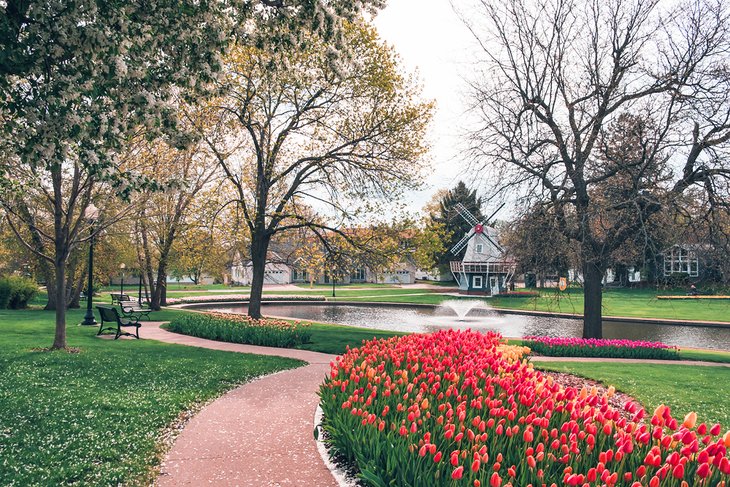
(466,214)
(461,243)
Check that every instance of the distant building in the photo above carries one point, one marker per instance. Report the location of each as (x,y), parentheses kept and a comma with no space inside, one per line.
(275,271)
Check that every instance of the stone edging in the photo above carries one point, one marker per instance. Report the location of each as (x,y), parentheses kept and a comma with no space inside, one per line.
(340,476)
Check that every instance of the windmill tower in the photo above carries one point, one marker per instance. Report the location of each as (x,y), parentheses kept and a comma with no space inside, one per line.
(484,268)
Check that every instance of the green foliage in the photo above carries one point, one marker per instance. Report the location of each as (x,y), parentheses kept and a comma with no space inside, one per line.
(16,292)
(96,417)
(241,329)
(602,352)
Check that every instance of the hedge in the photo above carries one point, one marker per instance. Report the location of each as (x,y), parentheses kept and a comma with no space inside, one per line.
(234,328)
(16,292)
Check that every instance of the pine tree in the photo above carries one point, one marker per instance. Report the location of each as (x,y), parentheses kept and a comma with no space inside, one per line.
(454,224)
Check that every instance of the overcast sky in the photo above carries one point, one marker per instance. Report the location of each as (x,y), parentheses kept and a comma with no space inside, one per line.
(430,39)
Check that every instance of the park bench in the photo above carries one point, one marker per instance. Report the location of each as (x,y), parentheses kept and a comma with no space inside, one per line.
(135,312)
(118,298)
(115,323)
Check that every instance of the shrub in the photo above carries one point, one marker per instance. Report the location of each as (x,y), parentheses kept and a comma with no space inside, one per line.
(451,408)
(16,292)
(519,294)
(234,328)
(241,297)
(605,348)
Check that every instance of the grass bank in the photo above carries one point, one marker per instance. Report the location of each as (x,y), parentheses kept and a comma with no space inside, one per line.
(683,387)
(95,417)
(639,303)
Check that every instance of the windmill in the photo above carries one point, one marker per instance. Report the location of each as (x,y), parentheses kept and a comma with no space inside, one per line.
(484,268)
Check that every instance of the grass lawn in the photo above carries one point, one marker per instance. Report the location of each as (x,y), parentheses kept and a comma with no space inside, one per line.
(334,338)
(683,387)
(623,302)
(95,417)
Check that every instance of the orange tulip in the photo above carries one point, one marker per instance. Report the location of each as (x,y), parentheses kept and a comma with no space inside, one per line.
(690,420)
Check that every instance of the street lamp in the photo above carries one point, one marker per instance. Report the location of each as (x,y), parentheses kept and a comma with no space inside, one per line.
(122,266)
(139,289)
(91,215)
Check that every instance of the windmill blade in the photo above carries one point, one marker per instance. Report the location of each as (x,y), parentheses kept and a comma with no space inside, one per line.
(487,221)
(466,214)
(461,243)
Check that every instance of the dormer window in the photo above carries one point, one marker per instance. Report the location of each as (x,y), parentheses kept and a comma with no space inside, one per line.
(479,248)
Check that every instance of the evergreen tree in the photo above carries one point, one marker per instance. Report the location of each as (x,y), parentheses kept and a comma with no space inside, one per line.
(456,227)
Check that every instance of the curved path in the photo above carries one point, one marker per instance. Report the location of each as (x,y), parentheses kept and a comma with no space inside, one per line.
(259,434)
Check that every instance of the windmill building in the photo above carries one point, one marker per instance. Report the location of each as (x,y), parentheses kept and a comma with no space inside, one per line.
(484,269)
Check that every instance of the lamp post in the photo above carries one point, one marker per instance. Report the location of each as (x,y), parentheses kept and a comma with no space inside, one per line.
(139,289)
(92,215)
(122,266)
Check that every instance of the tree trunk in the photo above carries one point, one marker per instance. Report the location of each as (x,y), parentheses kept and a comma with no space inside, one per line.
(77,274)
(259,249)
(593,296)
(50,290)
(60,284)
(159,293)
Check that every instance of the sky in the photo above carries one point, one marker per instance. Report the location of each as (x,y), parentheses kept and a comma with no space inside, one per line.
(433,42)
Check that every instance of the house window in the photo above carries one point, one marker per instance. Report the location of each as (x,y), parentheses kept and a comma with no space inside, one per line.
(299,275)
(477,282)
(678,260)
(479,249)
(358,275)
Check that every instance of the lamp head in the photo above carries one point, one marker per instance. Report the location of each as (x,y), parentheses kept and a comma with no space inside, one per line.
(91,213)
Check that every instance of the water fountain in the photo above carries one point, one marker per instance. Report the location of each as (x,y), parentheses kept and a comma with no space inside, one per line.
(461,307)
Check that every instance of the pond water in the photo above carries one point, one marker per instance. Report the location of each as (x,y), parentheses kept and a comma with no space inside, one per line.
(427,319)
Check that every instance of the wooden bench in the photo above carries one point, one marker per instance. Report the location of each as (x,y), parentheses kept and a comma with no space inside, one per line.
(115,323)
(119,298)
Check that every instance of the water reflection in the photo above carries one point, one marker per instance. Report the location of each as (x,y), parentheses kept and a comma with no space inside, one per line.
(427,319)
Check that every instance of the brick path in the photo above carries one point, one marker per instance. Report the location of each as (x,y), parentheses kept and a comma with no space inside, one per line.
(259,434)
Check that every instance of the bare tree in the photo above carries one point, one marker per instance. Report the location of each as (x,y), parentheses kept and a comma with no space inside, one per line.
(308,126)
(558,77)
(165,215)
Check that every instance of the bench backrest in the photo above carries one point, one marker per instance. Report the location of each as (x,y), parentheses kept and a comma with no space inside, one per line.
(108,314)
(121,297)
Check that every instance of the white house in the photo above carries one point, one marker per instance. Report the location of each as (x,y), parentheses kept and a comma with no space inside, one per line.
(275,271)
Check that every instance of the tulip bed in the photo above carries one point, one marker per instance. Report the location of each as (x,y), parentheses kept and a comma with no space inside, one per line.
(605,348)
(237,328)
(461,408)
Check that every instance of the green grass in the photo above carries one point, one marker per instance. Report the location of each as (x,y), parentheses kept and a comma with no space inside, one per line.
(704,355)
(640,303)
(361,285)
(95,417)
(683,387)
(423,298)
(335,338)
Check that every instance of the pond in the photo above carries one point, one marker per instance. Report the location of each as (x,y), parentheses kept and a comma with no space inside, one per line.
(410,318)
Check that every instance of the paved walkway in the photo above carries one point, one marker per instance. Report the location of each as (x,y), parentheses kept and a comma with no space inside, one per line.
(259,434)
